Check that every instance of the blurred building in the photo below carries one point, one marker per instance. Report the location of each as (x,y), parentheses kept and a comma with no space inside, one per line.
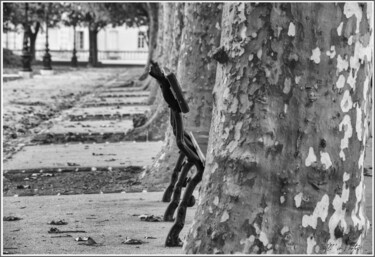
(118,45)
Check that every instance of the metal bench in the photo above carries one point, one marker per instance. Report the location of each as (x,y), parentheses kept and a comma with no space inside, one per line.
(190,155)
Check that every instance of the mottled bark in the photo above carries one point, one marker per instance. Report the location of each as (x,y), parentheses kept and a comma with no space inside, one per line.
(284,169)
(196,74)
(152,10)
(157,123)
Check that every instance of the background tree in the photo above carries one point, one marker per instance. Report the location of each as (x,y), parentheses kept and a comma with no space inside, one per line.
(196,74)
(284,171)
(99,15)
(14,16)
(95,17)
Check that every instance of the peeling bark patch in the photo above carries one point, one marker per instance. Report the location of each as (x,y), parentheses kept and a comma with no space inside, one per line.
(298,199)
(248,242)
(263,238)
(311,157)
(337,220)
(342,64)
(284,230)
(285,108)
(340,82)
(339,28)
(214,168)
(360,54)
(287,85)
(359,124)
(310,244)
(320,211)
(365,89)
(237,134)
(216,201)
(348,132)
(350,40)
(361,159)
(244,103)
(352,8)
(325,160)
(225,216)
(292,30)
(243,31)
(358,217)
(331,53)
(315,55)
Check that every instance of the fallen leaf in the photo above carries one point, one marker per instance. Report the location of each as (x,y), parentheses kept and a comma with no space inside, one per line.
(150,218)
(59,222)
(11,218)
(72,164)
(80,238)
(61,236)
(131,241)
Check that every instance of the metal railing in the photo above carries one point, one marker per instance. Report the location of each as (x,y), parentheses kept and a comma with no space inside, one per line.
(83,55)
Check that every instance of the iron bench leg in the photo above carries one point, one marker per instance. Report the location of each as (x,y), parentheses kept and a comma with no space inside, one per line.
(168,215)
(179,165)
(173,235)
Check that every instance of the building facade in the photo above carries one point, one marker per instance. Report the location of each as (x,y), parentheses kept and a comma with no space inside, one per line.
(118,45)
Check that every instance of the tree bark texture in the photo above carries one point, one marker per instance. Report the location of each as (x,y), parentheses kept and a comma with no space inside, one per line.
(159,123)
(152,10)
(196,74)
(284,169)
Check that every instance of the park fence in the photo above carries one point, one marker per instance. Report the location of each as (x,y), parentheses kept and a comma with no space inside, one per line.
(105,57)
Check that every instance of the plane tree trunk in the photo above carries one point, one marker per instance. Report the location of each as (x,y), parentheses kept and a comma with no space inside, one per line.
(152,10)
(93,45)
(284,169)
(157,123)
(196,73)
(33,35)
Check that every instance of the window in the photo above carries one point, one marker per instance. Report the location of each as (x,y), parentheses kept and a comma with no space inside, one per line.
(141,39)
(113,40)
(79,40)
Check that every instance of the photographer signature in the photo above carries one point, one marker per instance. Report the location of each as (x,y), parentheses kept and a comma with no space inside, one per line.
(355,247)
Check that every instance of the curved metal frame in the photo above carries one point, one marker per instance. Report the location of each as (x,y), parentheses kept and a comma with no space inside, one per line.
(188,156)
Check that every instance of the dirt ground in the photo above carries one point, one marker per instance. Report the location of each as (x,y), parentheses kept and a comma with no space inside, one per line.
(106,218)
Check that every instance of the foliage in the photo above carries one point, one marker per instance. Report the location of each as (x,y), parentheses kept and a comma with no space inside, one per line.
(75,13)
(14,14)
(100,15)
(71,14)
(131,14)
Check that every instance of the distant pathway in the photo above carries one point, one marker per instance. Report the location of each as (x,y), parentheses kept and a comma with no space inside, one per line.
(86,148)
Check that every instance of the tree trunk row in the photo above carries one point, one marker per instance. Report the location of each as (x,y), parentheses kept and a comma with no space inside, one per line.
(195,34)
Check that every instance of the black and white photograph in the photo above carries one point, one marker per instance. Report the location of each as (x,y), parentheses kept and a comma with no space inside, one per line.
(173,128)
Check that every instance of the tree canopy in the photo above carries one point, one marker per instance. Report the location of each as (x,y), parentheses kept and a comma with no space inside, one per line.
(14,14)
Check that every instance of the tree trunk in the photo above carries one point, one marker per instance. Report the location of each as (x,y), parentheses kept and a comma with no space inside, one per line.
(93,46)
(196,74)
(157,123)
(152,9)
(33,36)
(284,169)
